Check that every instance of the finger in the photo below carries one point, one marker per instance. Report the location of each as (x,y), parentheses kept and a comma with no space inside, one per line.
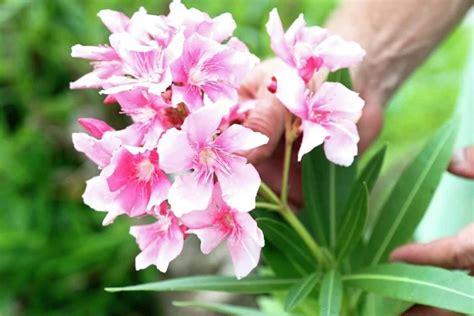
(420,310)
(452,253)
(268,118)
(462,163)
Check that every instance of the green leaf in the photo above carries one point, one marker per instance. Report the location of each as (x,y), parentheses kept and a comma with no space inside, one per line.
(343,76)
(300,291)
(425,285)
(255,284)
(354,222)
(371,171)
(289,243)
(325,190)
(221,308)
(411,196)
(330,297)
(279,263)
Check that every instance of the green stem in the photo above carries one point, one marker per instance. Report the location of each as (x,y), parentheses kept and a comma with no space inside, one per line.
(268,194)
(295,223)
(287,159)
(268,206)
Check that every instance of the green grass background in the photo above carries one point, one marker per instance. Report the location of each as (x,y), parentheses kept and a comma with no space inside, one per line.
(55,257)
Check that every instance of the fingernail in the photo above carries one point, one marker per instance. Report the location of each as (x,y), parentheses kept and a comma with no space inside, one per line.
(458,156)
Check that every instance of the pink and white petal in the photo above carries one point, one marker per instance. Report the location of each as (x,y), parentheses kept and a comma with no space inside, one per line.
(133,198)
(115,21)
(291,91)
(277,37)
(240,138)
(90,80)
(222,27)
(97,53)
(338,53)
(170,248)
(99,151)
(240,187)
(221,92)
(159,190)
(341,101)
(98,197)
(245,254)
(200,219)
(124,169)
(295,29)
(202,124)
(188,194)
(210,237)
(189,95)
(313,136)
(95,127)
(250,228)
(341,146)
(176,155)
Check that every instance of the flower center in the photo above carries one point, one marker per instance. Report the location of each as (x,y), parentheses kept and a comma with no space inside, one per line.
(195,75)
(145,170)
(319,116)
(207,156)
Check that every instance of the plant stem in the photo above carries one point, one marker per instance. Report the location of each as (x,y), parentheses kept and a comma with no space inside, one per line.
(268,206)
(296,224)
(268,194)
(289,138)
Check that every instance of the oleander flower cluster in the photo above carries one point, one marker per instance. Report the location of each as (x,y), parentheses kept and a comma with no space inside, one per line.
(179,162)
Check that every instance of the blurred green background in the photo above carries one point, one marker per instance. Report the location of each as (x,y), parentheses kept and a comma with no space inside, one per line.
(55,257)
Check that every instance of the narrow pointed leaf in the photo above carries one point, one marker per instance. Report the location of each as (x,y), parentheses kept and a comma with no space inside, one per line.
(255,284)
(371,171)
(451,290)
(288,242)
(300,291)
(330,297)
(411,196)
(225,309)
(354,222)
(326,188)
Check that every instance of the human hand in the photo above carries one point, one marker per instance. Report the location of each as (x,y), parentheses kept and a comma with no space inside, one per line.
(456,252)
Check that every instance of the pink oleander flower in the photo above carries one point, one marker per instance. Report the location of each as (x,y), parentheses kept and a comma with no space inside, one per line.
(198,154)
(160,242)
(149,112)
(132,183)
(221,222)
(209,70)
(309,48)
(328,116)
(193,21)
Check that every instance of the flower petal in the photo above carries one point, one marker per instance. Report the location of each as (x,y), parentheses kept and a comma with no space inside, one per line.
(201,125)
(341,101)
(95,127)
(210,237)
(115,21)
(239,138)
(240,187)
(188,194)
(341,146)
(338,53)
(291,91)
(313,136)
(245,254)
(175,153)
(277,37)
(99,151)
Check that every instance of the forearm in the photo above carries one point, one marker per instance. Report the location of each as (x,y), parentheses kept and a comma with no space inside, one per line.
(398,35)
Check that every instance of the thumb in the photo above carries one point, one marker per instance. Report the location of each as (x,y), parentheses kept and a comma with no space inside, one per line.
(268,118)
(462,163)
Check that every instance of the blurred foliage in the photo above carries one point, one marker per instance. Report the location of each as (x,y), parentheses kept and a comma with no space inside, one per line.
(55,257)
